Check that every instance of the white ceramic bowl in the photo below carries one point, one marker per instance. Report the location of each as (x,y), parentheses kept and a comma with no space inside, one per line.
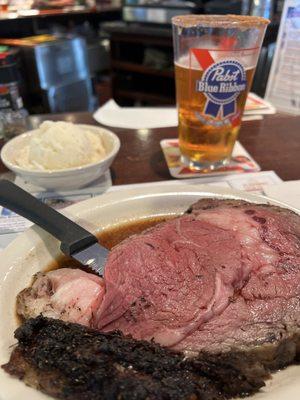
(63,179)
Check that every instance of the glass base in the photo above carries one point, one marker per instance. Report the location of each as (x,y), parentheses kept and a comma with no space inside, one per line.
(203,166)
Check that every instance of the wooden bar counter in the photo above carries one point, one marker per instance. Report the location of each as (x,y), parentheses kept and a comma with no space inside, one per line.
(273,142)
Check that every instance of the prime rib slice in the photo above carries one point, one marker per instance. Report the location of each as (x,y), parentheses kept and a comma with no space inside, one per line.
(72,362)
(224,277)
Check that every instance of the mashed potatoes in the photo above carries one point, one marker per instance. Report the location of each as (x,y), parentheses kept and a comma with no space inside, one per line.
(60,145)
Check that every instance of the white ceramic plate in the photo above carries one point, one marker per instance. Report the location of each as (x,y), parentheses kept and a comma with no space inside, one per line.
(34,250)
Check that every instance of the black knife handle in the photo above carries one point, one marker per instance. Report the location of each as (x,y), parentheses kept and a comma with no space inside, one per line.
(72,236)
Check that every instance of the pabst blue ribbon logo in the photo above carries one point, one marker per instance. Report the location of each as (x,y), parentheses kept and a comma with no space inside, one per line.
(222,82)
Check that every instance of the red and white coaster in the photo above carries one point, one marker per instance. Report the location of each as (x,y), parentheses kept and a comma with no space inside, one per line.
(240,162)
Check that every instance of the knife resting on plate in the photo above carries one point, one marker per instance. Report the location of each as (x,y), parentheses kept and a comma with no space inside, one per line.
(76,242)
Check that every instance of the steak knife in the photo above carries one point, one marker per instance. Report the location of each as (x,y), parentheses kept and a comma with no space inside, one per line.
(76,242)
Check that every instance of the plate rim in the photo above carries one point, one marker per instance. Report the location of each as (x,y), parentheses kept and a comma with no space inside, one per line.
(74,211)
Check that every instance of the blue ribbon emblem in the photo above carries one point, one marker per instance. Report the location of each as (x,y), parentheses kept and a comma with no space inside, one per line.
(222,83)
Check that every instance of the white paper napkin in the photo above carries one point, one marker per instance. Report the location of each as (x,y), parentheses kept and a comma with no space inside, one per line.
(136,117)
(287,192)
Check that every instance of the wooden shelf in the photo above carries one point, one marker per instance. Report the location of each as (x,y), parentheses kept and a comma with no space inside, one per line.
(142,96)
(142,69)
(131,81)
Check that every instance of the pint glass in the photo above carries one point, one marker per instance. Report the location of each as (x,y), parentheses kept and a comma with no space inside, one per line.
(215,60)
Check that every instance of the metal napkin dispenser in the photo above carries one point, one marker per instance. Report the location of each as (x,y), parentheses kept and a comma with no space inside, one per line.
(59,75)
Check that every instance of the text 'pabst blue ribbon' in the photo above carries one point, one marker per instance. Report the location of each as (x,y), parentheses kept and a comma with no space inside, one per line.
(221,83)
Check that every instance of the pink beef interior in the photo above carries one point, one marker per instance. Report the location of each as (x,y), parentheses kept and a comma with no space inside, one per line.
(205,278)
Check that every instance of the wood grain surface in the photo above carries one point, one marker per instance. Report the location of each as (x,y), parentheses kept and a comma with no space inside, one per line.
(273,142)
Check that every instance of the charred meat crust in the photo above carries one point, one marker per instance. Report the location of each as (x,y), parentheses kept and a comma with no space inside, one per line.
(70,361)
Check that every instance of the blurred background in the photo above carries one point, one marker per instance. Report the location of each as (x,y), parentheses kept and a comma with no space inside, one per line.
(74,55)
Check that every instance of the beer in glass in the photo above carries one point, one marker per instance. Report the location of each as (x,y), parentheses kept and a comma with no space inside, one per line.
(215,60)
